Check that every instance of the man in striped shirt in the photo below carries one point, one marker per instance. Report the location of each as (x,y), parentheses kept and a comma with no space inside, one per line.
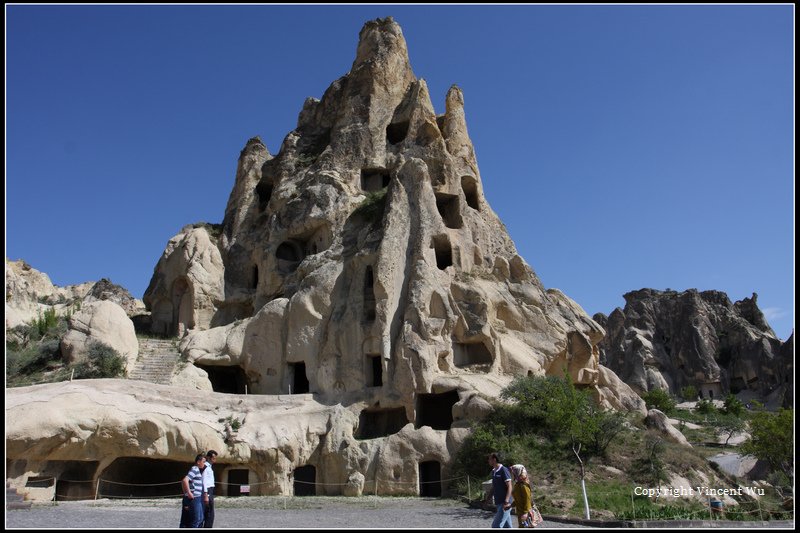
(192,515)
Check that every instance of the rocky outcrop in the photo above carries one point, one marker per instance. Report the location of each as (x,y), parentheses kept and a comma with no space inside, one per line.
(100,322)
(365,251)
(657,420)
(94,426)
(106,290)
(360,301)
(29,293)
(668,340)
(187,284)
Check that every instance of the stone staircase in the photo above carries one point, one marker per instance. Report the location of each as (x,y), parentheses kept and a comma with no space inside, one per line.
(15,500)
(157,360)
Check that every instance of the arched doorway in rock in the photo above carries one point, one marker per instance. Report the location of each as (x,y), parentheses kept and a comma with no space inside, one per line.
(183,303)
(298,379)
(141,477)
(238,482)
(430,479)
(76,480)
(162,318)
(229,379)
(305,479)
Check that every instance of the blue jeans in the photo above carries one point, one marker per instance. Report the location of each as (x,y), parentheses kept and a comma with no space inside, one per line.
(192,512)
(502,518)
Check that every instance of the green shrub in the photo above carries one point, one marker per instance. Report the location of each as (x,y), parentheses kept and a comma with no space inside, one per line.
(771,439)
(45,322)
(650,466)
(705,407)
(102,361)
(659,399)
(689,393)
(371,208)
(733,405)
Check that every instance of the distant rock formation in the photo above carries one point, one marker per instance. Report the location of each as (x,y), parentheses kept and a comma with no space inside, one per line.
(668,340)
(361,293)
(30,292)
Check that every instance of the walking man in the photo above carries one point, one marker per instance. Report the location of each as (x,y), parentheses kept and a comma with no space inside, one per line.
(208,487)
(192,505)
(501,487)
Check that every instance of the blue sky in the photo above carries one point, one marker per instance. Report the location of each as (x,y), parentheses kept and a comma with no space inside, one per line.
(623,146)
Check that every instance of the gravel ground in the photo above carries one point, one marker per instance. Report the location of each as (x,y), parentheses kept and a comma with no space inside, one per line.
(262,512)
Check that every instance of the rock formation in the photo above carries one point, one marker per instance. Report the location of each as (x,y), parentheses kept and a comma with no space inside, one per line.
(362,265)
(364,256)
(29,293)
(668,340)
(101,321)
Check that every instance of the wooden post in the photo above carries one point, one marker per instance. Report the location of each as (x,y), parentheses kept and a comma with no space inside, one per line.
(469,492)
(97,489)
(633,506)
(71,375)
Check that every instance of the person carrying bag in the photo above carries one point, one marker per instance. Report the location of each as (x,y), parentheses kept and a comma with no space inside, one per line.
(527,513)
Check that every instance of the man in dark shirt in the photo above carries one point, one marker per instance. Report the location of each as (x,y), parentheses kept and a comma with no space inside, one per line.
(501,487)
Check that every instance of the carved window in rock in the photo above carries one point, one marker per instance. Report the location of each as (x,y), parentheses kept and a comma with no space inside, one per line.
(373,369)
(396,132)
(436,410)
(289,255)
(369,296)
(448,206)
(292,252)
(374,179)
(376,422)
(443,251)
(263,193)
(254,277)
(470,187)
(471,354)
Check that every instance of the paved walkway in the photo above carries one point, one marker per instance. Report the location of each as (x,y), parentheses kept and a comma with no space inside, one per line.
(366,512)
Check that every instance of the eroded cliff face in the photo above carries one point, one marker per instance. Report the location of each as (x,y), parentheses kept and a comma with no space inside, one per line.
(361,265)
(668,340)
(366,252)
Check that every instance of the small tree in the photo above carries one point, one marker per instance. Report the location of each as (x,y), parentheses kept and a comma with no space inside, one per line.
(705,407)
(771,439)
(729,425)
(733,405)
(689,393)
(651,464)
(659,399)
(569,415)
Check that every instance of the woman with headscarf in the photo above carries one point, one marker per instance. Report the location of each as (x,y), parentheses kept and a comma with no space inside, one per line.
(521,494)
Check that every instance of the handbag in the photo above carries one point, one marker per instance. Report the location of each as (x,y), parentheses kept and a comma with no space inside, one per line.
(534,517)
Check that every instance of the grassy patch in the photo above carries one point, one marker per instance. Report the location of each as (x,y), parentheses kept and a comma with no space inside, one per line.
(371,208)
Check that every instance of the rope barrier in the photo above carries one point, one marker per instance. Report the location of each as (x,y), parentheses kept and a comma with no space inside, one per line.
(140,497)
(138,484)
(40,480)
